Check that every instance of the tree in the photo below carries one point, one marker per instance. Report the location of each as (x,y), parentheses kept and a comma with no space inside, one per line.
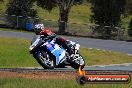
(107,13)
(19,8)
(64,9)
(130,29)
(129,6)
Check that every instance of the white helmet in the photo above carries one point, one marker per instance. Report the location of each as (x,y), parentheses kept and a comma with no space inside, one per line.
(38,27)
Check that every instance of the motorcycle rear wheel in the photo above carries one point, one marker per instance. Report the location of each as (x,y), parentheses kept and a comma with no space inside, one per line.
(76,63)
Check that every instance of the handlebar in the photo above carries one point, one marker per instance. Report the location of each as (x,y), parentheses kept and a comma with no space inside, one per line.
(49,37)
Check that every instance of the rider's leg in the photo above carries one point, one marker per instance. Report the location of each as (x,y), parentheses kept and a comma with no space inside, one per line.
(64,43)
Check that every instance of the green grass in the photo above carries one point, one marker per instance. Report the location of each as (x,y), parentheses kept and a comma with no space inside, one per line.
(36,83)
(94,57)
(2,7)
(14,53)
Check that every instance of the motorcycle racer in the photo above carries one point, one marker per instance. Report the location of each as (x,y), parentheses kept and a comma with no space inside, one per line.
(69,46)
(41,30)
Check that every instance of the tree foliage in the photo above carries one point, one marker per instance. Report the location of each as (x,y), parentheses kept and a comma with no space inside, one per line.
(130,29)
(129,6)
(64,9)
(47,4)
(21,8)
(107,13)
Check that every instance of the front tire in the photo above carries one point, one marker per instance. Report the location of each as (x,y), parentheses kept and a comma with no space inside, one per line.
(44,59)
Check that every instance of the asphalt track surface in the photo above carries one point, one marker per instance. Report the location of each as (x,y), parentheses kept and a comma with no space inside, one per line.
(111,45)
(117,67)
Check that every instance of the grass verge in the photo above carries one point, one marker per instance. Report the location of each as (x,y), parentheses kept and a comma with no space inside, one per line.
(100,57)
(14,53)
(63,83)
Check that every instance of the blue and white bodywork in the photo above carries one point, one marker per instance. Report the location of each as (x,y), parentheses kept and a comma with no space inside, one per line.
(55,49)
(50,55)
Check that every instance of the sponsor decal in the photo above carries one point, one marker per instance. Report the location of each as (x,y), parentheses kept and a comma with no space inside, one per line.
(112,78)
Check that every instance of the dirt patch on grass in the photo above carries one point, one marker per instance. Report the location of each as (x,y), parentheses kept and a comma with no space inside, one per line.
(51,75)
(39,75)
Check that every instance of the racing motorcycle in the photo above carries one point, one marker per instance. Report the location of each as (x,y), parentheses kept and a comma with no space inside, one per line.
(50,55)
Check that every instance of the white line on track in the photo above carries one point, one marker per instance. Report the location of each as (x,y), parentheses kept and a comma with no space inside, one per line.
(124,64)
(129,54)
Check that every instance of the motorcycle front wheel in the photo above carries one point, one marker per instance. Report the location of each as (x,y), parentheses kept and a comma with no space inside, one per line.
(44,59)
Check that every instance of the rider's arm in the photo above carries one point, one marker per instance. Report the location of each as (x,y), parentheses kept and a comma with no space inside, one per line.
(48,33)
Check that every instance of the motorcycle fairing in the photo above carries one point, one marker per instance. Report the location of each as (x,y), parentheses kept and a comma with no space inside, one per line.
(58,52)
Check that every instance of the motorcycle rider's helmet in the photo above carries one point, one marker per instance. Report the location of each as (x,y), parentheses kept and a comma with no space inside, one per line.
(38,28)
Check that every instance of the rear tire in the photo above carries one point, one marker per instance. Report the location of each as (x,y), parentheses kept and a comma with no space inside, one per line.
(44,59)
(81,80)
(76,63)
